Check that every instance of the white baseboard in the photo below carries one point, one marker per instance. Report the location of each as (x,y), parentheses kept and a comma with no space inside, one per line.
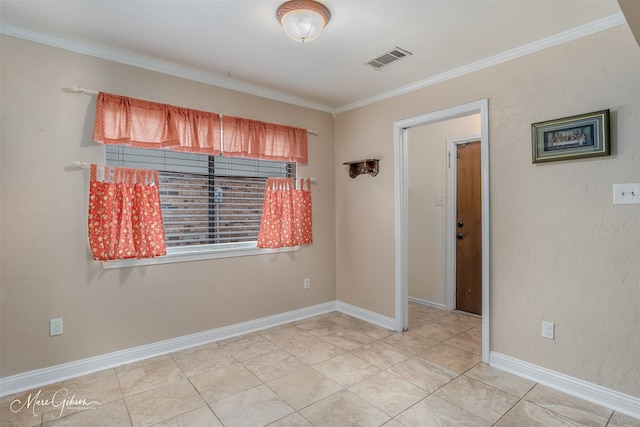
(41,377)
(429,303)
(608,398)
(366,315)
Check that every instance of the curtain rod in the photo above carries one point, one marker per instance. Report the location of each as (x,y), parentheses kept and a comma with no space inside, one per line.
(85,165)
(83,91)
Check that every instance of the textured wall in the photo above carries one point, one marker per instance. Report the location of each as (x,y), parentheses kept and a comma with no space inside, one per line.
(560,250)
(46,267)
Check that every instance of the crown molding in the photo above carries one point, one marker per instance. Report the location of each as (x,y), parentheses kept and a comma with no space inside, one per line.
(564,37)
(216,80)
(159,66)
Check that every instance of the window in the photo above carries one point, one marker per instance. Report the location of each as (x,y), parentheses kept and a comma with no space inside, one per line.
(205,200)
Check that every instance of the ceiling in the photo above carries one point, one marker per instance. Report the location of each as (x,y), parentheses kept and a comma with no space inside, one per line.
(240,45)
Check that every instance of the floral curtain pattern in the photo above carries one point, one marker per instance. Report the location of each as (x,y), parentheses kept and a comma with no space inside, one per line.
(124,218)
(286,215)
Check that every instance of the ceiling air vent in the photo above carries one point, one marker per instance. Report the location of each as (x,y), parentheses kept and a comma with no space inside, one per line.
(388,57)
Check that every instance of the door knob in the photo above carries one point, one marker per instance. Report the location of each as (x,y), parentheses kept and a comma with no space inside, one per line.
(460,224)
(460,236)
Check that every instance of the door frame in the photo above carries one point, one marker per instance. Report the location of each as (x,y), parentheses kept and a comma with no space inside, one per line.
(402,211)
(452,193)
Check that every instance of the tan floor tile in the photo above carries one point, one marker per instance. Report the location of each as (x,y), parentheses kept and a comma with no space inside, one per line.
(249,348)
(621,420)
(287,338)
(347,321)
(237,338)
(306,367)
(163,403)
(147,374)
(348,339)
(388,393)
(293,420)
(435,332)
(344,409)
(276,329)
(95,389)
(470,341)
(502,380)
(347,369)
(373,331)
(435,412)
(304,387)
(201,417)
(410,341)
(113,414)
(426,311)
(458,321)
(310,349)
(530,415)
(274,365)
(381,354)
(392,423)
(319,325)
(561,403)
(20,409)
(478,398)
(209,357)
(219,383)
(420,372)
(254,407)
(451,357)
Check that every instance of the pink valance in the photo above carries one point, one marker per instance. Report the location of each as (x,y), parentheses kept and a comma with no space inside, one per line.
(260,140)
(144,124)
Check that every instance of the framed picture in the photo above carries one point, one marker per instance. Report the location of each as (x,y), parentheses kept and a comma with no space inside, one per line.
(575,137)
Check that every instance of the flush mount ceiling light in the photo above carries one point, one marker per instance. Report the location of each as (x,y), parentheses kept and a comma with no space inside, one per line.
(303,20)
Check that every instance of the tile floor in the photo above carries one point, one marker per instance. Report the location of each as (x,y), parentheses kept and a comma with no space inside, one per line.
(328,370)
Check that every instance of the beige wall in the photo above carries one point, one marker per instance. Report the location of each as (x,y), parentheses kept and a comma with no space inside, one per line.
(427,179)
(46,267)
(560,250)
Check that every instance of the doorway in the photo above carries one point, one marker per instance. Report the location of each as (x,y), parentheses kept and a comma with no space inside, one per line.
(401,209)
(464,225)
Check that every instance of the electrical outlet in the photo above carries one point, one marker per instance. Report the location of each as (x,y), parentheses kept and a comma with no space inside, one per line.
(548,330)
(55,327)
(307,283)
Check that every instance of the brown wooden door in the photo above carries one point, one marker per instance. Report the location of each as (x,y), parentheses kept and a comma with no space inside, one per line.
(469,230)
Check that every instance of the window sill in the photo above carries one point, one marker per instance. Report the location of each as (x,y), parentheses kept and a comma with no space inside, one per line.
(201,253)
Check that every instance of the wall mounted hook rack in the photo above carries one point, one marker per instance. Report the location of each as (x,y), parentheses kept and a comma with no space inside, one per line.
(359,167)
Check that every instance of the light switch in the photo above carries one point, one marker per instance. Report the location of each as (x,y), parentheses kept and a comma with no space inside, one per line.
(626,194)
(439,200)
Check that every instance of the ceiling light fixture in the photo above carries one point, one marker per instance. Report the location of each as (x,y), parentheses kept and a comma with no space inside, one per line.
(303,20)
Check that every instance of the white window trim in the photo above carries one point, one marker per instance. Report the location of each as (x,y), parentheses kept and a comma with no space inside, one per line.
(198,253)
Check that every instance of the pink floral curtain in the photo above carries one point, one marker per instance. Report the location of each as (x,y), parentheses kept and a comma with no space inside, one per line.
(125,220)
(260,140)
(286,215)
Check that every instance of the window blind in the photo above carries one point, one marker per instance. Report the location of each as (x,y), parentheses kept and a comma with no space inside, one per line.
(205,199)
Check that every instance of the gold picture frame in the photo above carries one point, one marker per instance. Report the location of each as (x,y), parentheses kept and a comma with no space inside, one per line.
(575,137)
